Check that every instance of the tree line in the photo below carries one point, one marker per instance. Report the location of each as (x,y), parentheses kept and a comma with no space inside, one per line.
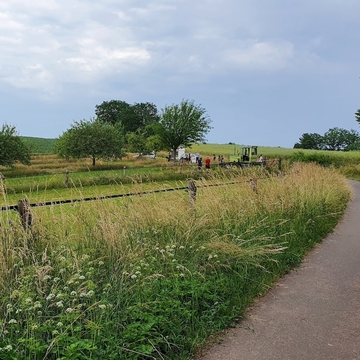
(119,127)
(116,128)
(335,139)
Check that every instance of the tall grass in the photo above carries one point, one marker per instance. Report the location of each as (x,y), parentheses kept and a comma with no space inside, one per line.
(152,277)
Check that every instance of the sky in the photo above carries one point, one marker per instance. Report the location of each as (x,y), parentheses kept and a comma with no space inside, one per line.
(265,71)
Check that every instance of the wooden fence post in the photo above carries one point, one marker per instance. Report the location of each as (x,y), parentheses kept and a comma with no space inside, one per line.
(25,213)
(253,184)
(2,184)
(67,178)
(192,192)
(280,168)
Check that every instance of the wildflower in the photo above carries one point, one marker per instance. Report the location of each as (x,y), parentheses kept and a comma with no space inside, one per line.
(34,326)
(12,321)
(28,301)
(18,311)
(137,272)
(59,324)
(56,279)
(101,263)
(9,306)
(15,294)
(133,276)
(55,332)
(69,310)
(210,257)
(102,306)
(82,277)
(61,271)
(47,277)
(39,313)
(60,304)
(73,293)
(181,247)
(182,275)
(8,348)
(173,260)
(50,296)
(90,293)
(37,305)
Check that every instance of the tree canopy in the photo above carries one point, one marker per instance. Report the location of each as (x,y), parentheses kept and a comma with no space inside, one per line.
(183,124)
(132,117)
(12,147)
(310,141)
(336,139)
(94,138)
(357,116)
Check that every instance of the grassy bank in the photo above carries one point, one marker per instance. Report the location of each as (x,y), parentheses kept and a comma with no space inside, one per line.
(152,277)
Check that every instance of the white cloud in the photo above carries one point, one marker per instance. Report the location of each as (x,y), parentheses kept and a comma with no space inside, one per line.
(260,56)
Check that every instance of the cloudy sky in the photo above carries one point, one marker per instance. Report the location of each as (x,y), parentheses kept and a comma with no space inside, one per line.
(265,71)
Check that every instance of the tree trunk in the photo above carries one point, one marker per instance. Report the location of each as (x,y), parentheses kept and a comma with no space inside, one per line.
(93,161)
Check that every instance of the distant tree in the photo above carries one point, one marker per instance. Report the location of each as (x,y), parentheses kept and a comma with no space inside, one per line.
(354,146)
(147,114)
(340,139)
(357,116)
(112,111)
(132,117)
(136,142)
(183,124)
(94,139)
(12,147)
(310,141)
(144,141)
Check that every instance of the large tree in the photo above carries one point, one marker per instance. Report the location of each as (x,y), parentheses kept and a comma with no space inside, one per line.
(133,117)
(310,141)
(93,138)
(183,124)
(340,139)
(12,147)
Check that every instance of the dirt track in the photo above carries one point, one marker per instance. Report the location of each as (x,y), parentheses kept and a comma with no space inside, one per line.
(313,312)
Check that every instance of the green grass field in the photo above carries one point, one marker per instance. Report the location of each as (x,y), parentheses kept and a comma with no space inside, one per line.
(153,276)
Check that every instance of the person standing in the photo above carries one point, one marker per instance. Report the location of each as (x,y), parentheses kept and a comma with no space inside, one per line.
(207,163)
(199,163)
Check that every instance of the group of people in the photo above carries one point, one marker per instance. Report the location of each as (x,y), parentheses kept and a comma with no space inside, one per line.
(199,162)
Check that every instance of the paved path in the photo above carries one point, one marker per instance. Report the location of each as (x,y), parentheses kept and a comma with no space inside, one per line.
(313,313)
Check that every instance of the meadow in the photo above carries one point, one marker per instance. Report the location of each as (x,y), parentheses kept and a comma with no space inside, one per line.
(152,276)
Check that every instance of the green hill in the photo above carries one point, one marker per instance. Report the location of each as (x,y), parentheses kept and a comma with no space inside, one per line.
(40,145)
